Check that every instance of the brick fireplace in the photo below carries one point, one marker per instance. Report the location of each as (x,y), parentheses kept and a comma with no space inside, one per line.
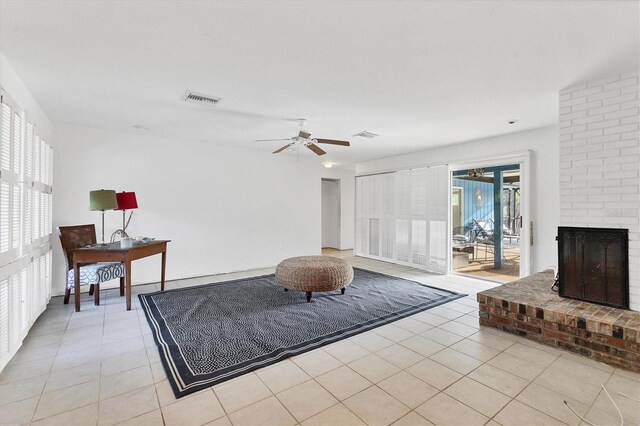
(600,162)
(599,189)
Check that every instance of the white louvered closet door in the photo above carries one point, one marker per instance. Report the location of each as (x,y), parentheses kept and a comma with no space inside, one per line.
(402,217)
(437,218)
(387,217)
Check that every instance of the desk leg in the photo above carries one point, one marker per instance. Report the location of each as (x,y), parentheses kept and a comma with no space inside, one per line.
(127,265)
(164,267)
(76,285)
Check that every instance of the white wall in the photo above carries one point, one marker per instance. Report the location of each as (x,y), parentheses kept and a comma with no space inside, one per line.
(11,82)
(543,145)
(600,161)
(224,208)
(347,203)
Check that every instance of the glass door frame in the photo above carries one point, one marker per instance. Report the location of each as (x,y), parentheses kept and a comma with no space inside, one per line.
(524,160)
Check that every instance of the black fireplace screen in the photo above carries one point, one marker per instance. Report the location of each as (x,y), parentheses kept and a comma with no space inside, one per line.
(593,265)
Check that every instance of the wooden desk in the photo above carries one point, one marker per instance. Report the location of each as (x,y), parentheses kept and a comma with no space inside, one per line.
(113,253)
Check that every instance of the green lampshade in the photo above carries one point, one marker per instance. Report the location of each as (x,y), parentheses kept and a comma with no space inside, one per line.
(103,199)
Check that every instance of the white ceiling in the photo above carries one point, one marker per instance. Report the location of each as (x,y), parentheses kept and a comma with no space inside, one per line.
(420,73)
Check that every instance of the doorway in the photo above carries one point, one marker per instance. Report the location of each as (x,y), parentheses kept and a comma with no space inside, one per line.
(486,222)
(457,207)
(331,213)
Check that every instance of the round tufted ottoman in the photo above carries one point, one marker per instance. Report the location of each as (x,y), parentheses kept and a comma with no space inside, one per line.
(314,273)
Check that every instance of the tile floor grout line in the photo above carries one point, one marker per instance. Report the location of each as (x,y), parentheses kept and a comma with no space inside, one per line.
(441,284)
(529,384)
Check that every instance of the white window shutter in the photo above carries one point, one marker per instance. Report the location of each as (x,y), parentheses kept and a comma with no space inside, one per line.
(25,226)
(35,227)
(5,217)
(16,145)
(5,138)
(25,309)
(28,202)
(14,312)
(4,320)
(15,216)
(44,157)
(36,157)
(28,154)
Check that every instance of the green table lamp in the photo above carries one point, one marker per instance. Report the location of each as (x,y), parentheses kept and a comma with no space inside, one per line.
(101,200)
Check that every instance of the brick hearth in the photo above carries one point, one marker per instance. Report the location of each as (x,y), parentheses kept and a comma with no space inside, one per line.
(529,308)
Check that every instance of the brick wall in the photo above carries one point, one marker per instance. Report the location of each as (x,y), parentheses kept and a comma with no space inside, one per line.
(600,161)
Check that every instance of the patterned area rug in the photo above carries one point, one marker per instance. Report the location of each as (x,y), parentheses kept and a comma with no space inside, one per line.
(212,333)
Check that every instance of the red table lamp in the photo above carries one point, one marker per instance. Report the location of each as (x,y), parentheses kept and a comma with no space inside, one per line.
(126,201)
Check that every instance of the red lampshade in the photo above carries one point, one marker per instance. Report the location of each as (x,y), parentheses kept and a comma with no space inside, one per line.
(126,200)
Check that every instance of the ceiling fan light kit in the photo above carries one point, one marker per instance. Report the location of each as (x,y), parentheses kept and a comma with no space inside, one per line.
(303,138)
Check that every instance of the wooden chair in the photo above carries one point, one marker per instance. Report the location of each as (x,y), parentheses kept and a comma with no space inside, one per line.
(78,236)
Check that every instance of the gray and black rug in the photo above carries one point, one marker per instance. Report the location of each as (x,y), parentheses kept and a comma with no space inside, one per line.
(212,333)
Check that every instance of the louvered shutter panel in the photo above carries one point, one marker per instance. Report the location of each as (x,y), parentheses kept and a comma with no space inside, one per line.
(402,188)
(48,258)
(35,282)
(437,216)
(387,220)
(359,217)
(25,308)
(28,160)
(5,142)
(16,146)
(43,213)
(28,202)
(44,156)
(5,217)
(15,216)
(35,227)
(36,157)
(14,312)
(4,319)
(419,217)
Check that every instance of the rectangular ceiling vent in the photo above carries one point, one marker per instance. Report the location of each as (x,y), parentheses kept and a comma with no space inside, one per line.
(366,134)
(199,98)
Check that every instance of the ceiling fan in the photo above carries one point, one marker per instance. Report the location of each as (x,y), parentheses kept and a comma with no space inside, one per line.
(303,138)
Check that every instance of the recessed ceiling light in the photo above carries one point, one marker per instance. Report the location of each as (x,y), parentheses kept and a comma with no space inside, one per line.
(367,134)
(513,121)
(140,127)
(327,165)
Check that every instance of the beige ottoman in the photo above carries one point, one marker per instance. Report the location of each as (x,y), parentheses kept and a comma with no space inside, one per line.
(314,273)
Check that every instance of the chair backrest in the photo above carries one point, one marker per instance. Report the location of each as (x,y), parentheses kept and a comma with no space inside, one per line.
(482,227)
(73,237)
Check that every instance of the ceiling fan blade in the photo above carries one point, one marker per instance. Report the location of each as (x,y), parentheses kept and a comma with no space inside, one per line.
(316,149)
(272,140)
(281,149)
(303,134)
(333,142)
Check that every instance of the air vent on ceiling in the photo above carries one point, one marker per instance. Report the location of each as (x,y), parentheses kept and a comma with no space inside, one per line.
(199,98)
(366,134)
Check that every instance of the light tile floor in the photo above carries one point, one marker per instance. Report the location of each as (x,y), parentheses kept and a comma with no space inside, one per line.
(100,366)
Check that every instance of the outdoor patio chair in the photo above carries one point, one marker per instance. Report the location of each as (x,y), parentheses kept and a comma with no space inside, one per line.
(463,240)
(507,233)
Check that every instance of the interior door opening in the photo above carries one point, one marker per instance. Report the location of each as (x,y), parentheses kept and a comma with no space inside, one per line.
(331,213)
(486,222)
